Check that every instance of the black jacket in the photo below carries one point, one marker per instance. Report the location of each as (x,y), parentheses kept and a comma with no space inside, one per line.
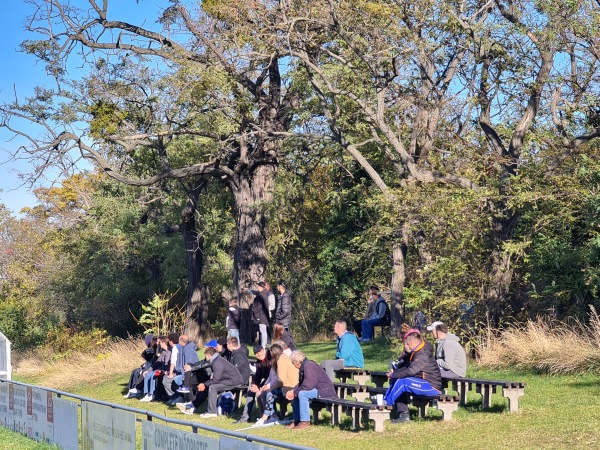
(283,315)
(239,358)
(421,364)
(311,376)
(260,308)
(262,370)
(233,318)
(224,372)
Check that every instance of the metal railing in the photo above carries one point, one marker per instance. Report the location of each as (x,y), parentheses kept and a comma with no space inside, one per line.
(150,415)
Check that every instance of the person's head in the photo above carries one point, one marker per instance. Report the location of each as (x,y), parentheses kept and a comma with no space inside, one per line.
(173,338)
(276,352)
(184,339)
(438,329)
(209,352)
(163,342)
(268,286)
(233,302)
(413,340)
(221,344)
(260,352)
(233,343)
(148,340)
(298,358)
(282,344)
(262,286)
(373,292)
(278,330)
(340,327)
(281,287)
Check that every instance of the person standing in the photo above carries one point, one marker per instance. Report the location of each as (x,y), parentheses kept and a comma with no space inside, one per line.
(449,354)
(232,321)
(260,311)
(283,315)
(348,354)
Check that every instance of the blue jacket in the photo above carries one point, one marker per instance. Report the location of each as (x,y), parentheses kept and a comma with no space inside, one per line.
(349,350)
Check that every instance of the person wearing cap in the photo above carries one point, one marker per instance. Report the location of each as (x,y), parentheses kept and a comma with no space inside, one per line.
(449,354)
(222,348)
(225,376)
(260,310)
(420,377)
(260,376)
(313,382)
(348,354)
(283,314)
(403,359)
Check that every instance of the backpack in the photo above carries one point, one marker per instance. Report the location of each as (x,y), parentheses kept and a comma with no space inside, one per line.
(225,403)
(388,315)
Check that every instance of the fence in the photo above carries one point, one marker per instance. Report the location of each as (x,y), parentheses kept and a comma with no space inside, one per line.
(5,361)
(46,415)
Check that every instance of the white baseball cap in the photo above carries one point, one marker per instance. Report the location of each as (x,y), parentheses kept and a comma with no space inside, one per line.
(433,325)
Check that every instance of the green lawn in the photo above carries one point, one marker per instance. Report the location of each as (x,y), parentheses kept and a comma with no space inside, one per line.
(10,440)
(556,412)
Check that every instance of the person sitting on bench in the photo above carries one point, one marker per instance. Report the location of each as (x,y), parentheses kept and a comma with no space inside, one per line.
(420,377)
(348,354)
(381,316)
(449,354)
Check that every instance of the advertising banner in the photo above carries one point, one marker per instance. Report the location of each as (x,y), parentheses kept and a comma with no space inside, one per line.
(17,404)
(40,412)
(105,428)
(229,443)
(161,437)
(6,419)
(66,420)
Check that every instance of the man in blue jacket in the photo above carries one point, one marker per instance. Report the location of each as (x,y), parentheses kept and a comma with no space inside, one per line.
(348,354)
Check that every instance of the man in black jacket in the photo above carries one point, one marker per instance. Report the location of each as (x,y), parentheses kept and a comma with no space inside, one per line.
(260,311)
(420,377)
(263,368)
(283,314)
(225,376)
(238,356)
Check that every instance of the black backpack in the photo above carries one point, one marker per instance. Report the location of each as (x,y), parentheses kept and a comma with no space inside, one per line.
(387,317)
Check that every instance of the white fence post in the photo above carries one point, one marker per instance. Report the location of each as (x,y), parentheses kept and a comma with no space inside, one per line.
(5,358)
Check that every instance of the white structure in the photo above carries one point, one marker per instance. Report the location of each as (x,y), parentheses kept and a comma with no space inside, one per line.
(5,361)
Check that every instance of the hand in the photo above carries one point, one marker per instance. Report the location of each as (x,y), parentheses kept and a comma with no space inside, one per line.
(187,367)
(390,373)
(254,388)
(171,375)
(265,388)
(201,387)
(289,395)
(144,373)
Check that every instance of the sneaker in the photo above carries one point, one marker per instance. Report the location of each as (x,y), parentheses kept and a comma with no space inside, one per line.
(183,406)
(133,391)
(208,416)
(174,401)
(184,390)
(130,395)
(147,398)
(189,411)
(402,418)
(241,420)
(259,423)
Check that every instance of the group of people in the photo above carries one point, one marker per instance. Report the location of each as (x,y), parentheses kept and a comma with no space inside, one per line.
(172,370)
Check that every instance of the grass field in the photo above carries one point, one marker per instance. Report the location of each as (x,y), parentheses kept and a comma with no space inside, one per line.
(556,412)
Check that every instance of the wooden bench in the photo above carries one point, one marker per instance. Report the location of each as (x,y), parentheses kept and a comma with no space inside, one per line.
(361,376)
(512,390)
(359,412)
(447,404)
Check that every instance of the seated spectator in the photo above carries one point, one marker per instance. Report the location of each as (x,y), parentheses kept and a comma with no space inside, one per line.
(285,380)
(239,358)
(449,354)
(157,370)
(222,348)
(284,346)
(379,317)
(182,353)
(420,377)
(225,376)
(136,379)
(348,354)
(280,333)
(232,321)
(404,358)
(357,325)
(313,382)
(194,374)
(261,374)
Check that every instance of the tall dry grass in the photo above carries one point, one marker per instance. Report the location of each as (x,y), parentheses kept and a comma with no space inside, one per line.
(111,359)
(546,346)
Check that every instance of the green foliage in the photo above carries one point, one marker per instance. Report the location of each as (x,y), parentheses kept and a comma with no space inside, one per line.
(160,316)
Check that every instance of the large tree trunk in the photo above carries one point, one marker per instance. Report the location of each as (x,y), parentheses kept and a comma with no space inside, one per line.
(250,252)
(398,282)
(197,293)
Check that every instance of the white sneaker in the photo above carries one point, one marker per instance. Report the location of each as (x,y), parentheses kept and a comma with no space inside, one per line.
(259,423)
(183,406)
(189,411)
(147,398)
(207,416)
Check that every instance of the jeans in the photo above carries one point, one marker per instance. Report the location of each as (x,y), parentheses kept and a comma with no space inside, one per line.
(268,400)
(149,383)
(368,325)
(301,406)
(263,334)
(234,333)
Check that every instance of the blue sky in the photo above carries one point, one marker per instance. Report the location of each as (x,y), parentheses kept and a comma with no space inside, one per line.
(20,72)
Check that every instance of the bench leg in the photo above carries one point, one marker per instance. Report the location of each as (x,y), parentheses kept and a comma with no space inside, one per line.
(378,417)
(360,396)
(447,408)
(513,395)
(462,389)
(362,379)
(379,382)
(486,395)
(316,409)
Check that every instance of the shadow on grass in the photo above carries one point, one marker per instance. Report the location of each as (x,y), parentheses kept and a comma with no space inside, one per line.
(475,406)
